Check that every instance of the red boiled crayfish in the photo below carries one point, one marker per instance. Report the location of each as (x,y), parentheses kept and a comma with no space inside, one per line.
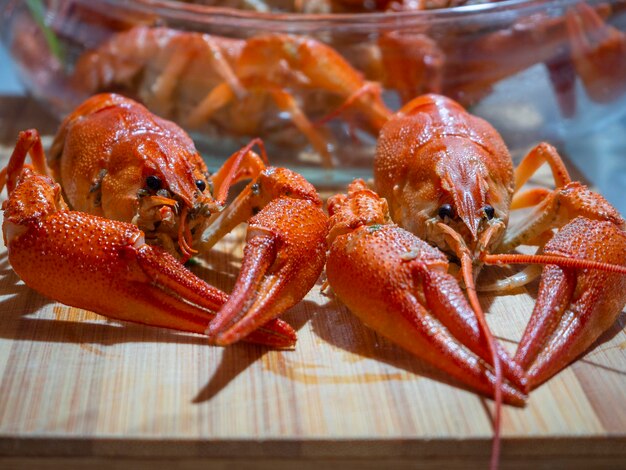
(239,87)
(464,65)
(446,177)
(142,196)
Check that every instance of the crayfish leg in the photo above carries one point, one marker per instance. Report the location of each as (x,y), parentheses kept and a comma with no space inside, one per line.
(28,143)
(267,184)
(217,98)
(243,164)
(598,53)
(540,154)
(286,102)
(551,208)
(413,64)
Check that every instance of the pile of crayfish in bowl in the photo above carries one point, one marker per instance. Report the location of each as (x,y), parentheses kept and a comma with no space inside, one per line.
(106,221)
(230,86)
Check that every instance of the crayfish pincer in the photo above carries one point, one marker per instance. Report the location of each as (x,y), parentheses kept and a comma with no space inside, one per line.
(139,199)
(411,298)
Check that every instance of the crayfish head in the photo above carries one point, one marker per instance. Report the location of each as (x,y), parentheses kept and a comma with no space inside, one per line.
(471,204)
(167,189)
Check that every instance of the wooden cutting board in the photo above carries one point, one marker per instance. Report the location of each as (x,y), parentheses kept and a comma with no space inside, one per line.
(77,389)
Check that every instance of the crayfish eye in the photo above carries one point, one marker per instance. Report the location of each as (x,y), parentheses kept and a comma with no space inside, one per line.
(153,182)
(490,212)
(201,185)
(446,211)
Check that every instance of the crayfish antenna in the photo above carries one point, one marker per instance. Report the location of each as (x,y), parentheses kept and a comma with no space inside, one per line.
(466,267)
(557,260)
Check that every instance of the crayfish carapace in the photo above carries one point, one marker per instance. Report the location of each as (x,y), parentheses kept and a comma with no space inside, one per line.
(142,195)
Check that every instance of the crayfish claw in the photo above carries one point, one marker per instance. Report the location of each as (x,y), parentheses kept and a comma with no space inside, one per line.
(416,305)
(411,298)
(574,306)
(283,258)
(285,251)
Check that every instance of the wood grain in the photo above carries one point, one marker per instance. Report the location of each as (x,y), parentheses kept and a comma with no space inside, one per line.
(77,389)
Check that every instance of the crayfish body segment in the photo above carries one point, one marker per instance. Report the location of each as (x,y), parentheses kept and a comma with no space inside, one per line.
(115,159)
(452,170)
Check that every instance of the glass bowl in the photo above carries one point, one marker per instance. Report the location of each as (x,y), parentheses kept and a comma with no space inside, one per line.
(318,87)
